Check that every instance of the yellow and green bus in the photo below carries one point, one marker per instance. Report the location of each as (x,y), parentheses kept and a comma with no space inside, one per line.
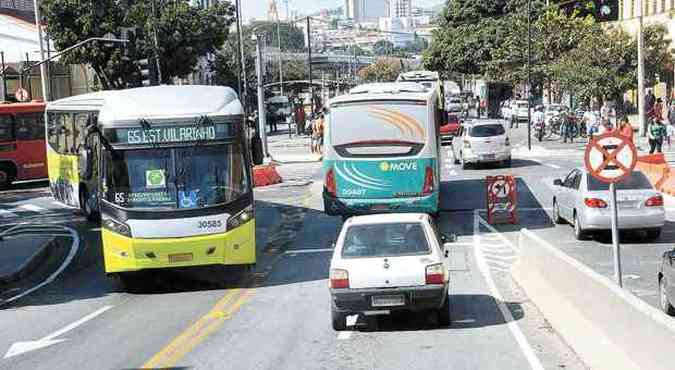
(166,169)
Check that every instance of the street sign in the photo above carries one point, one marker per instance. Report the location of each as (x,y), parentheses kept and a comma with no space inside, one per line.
(610,157)
(502,199)
(21,94)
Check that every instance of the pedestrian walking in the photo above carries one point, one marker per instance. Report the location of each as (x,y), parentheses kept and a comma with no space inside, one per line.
(656,132)
(656,113)
(670,131)
(567,128)
(625,128)
(319,126)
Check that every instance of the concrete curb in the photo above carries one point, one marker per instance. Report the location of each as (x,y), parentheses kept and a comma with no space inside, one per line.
(608,327)
(30,264)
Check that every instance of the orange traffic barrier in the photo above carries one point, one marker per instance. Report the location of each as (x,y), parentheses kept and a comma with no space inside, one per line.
(265,175)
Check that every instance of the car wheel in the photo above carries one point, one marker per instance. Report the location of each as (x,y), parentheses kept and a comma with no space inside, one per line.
(444,314)
(664,302)
(654,233)
(464,164)
(338,319)
(455,160)
(556,214)
(579,232)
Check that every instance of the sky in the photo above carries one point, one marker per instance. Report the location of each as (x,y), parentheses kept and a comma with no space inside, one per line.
(258,8)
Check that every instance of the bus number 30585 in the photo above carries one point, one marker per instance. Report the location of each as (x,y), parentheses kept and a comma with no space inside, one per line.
(210,224)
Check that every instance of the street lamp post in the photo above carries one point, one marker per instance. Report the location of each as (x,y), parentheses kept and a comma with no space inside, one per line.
(262,124)
(641,73)
(529,82)
(43,70)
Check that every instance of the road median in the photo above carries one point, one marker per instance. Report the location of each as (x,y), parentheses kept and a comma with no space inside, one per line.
(608,327)
(19,256)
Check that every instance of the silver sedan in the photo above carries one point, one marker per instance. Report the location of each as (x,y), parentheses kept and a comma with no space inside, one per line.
(583,201)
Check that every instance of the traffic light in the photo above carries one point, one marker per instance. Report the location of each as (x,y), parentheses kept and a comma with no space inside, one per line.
(148,72)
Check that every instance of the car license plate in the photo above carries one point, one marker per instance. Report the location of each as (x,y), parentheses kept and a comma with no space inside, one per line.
(380,207)
(489,156)
(180,257)
(388,300)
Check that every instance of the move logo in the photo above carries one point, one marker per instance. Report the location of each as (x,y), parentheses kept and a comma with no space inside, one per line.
(398,166)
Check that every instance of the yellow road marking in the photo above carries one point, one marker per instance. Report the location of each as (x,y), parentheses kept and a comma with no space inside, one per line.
(198,331)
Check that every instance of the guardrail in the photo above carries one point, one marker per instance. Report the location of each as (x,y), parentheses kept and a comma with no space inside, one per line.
(607,326)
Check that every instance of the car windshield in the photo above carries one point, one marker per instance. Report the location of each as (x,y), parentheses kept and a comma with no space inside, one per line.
(636,181)
(486,130)
(192,177)
(385,240)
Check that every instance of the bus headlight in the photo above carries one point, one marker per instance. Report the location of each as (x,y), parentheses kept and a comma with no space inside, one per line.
(240,218)
(117,227)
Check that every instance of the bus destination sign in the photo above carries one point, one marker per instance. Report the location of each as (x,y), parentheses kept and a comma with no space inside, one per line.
(173,134)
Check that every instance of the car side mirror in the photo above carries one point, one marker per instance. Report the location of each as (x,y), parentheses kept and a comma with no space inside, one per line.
(557,182)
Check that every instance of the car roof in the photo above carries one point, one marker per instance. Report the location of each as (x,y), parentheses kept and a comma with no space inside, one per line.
(386,218)
(486,122)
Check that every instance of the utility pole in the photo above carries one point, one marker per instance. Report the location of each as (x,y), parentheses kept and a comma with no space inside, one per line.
(529,82)
(309,64)
(262,124)
(43,69)
(242,58)
(281,73)
(156,41)
(3,82)
(641,73)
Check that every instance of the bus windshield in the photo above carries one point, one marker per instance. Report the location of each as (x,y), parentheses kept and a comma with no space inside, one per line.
(387,128)
(193,177)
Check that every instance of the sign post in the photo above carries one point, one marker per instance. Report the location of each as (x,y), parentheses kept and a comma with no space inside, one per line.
(611,158)
(502,199)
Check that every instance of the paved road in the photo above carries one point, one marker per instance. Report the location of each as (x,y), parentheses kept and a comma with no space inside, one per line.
(278,317)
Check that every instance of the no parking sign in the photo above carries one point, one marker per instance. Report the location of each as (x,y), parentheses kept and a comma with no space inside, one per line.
(502,199)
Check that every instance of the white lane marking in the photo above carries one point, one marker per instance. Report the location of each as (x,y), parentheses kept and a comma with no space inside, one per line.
(346,334)
(497,263)
(305,251)
(492,229)
(453,173)
(31,208)
(531,357)
(71,255)
(5,213)
(22,347)
(555,166)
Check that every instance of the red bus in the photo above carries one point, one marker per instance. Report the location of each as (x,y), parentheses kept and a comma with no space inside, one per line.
(22,142)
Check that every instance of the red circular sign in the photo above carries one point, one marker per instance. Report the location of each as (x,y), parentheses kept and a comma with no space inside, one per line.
(21,94)
(610,157)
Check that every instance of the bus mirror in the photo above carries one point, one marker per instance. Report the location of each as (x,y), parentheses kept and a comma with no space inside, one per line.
(85,162)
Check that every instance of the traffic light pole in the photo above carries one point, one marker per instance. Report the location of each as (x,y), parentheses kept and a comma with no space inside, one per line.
(309,64)
(641,72)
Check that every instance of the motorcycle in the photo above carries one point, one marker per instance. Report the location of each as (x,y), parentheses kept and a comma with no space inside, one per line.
(539,130)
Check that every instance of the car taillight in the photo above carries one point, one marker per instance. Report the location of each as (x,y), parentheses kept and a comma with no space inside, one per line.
(330,182)
(595,203)
(428,187)
(339,279)
(435,274)
(507,142)
(655,201)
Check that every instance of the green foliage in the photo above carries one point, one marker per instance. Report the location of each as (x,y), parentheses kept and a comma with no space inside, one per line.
(292,38)
(185,33)
(383,70)
(226,65)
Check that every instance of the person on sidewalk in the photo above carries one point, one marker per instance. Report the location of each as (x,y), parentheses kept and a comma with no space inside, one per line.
(655,134)
(320,127)
(625,128)
(656,113)
(567,128)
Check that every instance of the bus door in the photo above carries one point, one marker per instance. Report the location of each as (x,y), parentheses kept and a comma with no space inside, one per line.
(381,150)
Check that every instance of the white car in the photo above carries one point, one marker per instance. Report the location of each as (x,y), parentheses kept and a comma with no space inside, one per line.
(454,105)
(552,110)
(384,263)
(481,142)
(518,110)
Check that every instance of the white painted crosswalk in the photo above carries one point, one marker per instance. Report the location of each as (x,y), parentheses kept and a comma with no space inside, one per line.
(33,208)
(497,251)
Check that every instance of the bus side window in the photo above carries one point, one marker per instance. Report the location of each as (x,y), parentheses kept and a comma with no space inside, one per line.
(6,127)
(30,126)
(79,131)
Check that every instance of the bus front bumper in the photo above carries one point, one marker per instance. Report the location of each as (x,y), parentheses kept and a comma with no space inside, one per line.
(361,206)
(233,247)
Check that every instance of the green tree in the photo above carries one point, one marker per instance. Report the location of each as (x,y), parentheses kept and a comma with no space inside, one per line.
(292,38)
(185,33)
(383,70)
(227,61)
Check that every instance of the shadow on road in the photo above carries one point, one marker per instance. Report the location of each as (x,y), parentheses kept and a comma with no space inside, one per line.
(468,311)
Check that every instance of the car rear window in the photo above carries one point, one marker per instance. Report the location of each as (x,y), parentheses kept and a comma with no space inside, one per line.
(636,181)
(385,240)
(487,130)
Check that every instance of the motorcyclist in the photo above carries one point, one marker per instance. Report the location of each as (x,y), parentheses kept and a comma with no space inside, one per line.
(538,119)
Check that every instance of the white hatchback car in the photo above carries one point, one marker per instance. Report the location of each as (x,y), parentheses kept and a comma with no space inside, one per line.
(393,262)
(481,142)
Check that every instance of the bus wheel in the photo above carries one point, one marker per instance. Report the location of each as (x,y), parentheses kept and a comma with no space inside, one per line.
(6,176)
(120,281)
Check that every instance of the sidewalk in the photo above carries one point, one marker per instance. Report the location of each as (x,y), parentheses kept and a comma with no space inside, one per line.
(295,149)
(20,255)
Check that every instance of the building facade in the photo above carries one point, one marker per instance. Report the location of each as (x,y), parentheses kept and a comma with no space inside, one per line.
(366,10)
(400,8)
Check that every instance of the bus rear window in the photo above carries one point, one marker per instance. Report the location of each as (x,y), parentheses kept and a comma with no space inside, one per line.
(6,129)
(378,129)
